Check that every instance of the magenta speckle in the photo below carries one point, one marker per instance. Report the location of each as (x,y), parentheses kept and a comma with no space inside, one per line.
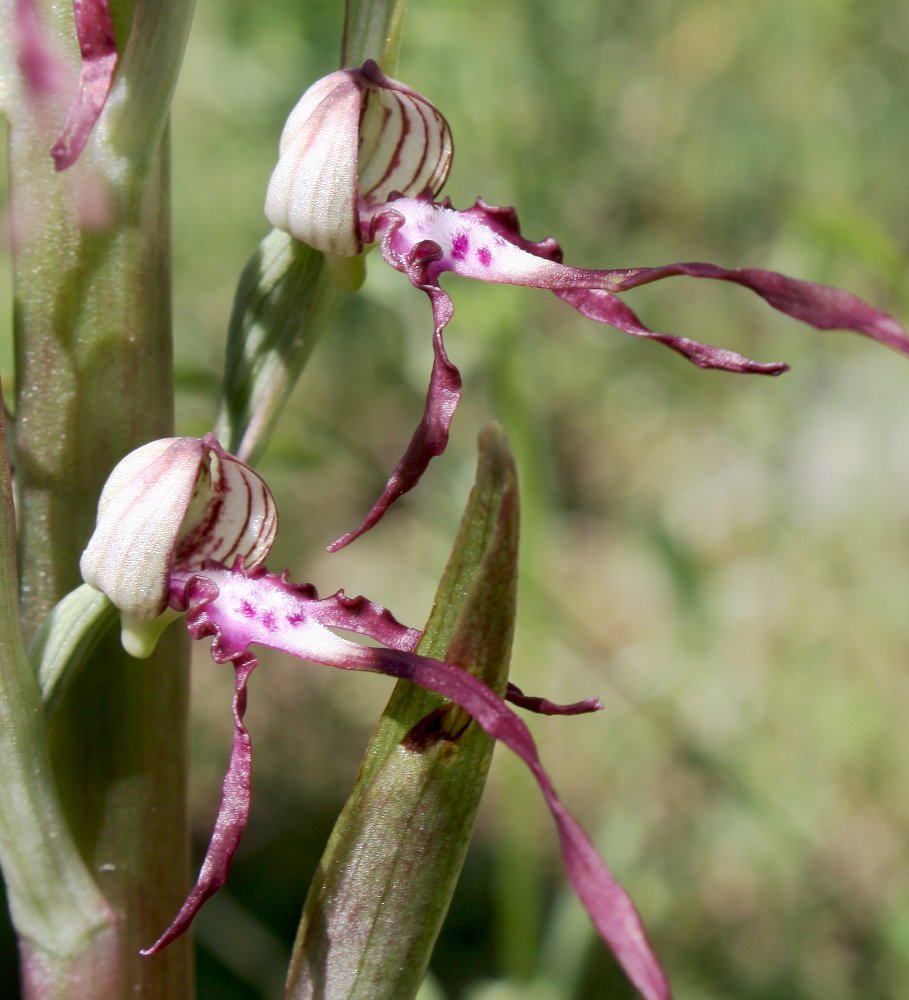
(247,610)
(484,256)
(459,246)
(268,621)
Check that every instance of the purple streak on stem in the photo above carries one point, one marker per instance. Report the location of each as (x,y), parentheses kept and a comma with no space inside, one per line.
(42,70)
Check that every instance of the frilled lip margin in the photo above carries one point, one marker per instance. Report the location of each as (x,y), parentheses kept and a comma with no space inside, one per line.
(423,239)
(238,609)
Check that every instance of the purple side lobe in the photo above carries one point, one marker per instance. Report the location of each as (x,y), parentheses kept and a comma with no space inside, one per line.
(543,706)
(431,435)
(233,814)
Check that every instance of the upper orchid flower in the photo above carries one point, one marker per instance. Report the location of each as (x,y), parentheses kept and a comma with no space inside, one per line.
(183,528)
(350,174)
(355,139)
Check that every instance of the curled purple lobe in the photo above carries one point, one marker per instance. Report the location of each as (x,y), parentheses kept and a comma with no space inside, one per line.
(233,814)
(543,706)
(98,48)
(431,435)
(237,609)
(423,239)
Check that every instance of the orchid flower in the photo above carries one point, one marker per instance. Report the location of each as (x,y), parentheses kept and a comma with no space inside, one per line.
(361,161)
(183,529)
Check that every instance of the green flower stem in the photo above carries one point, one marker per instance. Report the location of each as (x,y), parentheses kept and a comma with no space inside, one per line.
(66,928)
(94,380)
(386,878)
(372,30)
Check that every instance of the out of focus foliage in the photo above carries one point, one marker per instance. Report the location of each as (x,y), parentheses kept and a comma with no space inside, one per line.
(723,559)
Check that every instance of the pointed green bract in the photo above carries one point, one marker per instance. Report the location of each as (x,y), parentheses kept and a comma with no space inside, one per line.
(282,302)
(384,884)
(66,640)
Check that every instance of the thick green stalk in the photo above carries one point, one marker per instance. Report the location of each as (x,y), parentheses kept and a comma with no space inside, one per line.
(372,30)
(94,380)
(93,353)
(66,929)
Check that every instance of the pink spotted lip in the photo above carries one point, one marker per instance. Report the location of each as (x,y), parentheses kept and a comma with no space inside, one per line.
(239,609)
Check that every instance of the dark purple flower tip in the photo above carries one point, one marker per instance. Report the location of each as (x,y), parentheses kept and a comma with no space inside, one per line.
(431,435)
(98,48)
(238,609)
(423,239)
(543,706)
(231,820)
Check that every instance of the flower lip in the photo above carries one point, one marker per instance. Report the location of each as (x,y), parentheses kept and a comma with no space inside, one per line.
(238,609)
(354,138)
(423,239)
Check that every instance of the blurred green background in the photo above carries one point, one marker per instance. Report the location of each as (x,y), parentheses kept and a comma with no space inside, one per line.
(723,559)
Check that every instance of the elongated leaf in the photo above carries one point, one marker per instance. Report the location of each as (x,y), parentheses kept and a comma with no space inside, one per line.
(385,881)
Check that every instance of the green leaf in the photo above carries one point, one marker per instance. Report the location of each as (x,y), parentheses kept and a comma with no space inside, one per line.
(386,878)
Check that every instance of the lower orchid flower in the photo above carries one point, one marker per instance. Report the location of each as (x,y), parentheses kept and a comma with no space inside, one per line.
(183,529)
(339,188)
